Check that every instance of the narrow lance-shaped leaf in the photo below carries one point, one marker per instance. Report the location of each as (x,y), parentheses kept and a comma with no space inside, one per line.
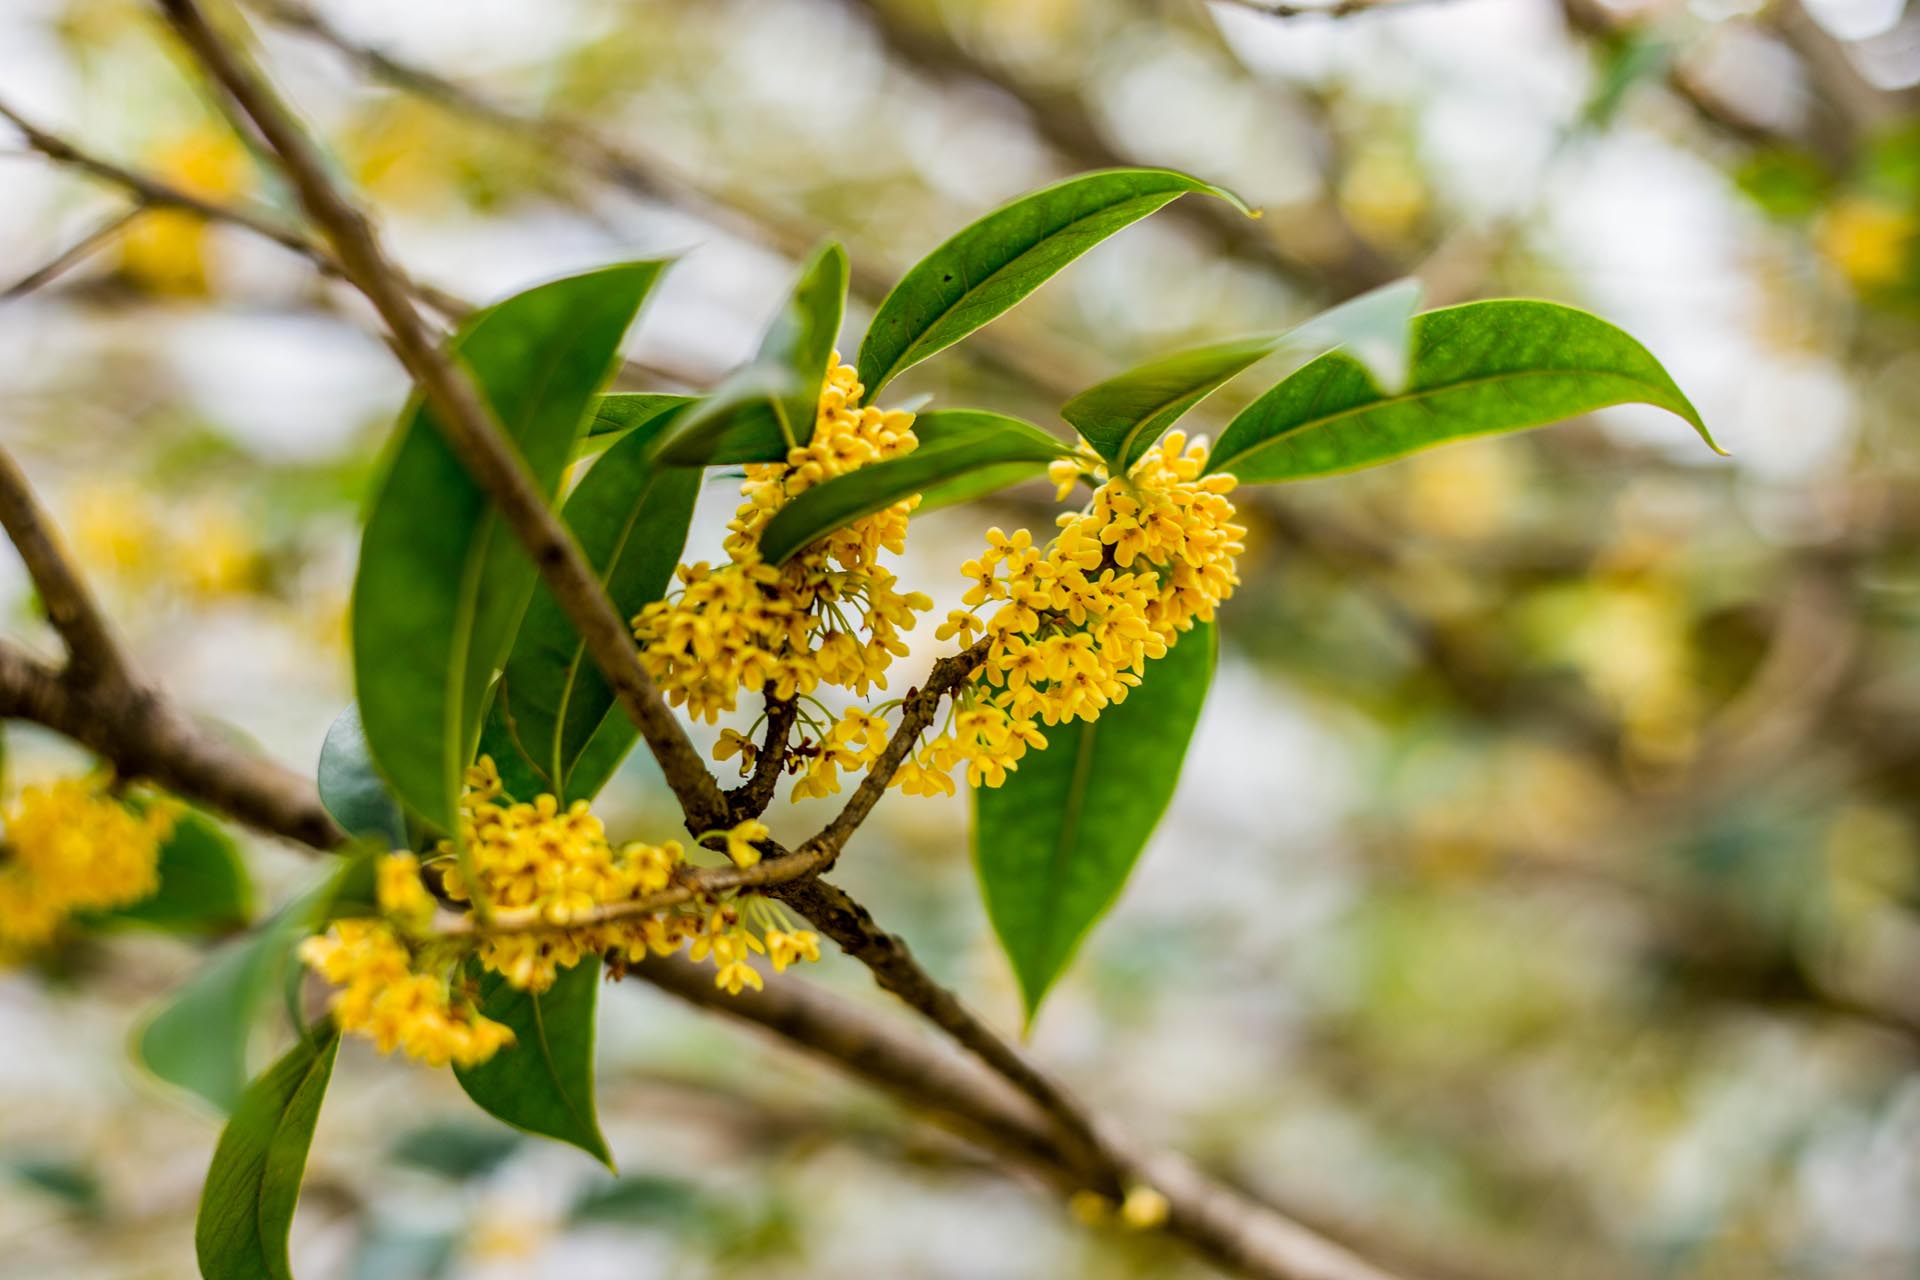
(953,445)
(1479,368)
(737,423)
(631,516)
(543,1083)
(1055,843)
(993,263)
(1123,416)
(442,582)
(246,1207)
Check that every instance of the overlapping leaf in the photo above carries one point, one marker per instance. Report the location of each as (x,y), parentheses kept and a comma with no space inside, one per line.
(246,1207)
(954,445)
(1123,416)
(630,515)
(442,582)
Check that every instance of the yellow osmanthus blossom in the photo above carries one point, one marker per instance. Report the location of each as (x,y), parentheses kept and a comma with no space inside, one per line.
(402,983)
(165,249)
(828,616)
(386,996)
(1869,242)
(1074,623)
(71,847)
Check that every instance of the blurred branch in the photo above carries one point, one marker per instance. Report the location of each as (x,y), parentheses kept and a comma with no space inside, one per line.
(74,253)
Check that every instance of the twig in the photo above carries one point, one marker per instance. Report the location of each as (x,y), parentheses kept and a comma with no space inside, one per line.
(93,654)
(72,254)
(463,417)
(751,798)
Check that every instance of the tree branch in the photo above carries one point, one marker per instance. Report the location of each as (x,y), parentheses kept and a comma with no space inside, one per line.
(462,416)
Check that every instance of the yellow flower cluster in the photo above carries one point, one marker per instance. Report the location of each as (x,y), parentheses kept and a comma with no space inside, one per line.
(749,625)
(1075,622)
(401,982)
(73,847)
(385,996)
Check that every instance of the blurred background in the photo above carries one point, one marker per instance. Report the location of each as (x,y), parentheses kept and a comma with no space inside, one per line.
(1542,896)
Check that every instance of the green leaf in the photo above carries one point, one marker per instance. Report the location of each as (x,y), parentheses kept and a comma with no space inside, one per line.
(442,581)
(995,262)
(804,335)
(1123,416)
(953,445)
(197,1040)
(352,789)
(737,423)
(203,883)
(618,412)
(65,1178)
(631,518)
(1478,368)
(641,1200)
(1055,843)
(246,1207)
(544,1082)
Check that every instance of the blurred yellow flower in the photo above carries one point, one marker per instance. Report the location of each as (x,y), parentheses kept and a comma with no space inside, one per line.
(165,250)
(1866,240)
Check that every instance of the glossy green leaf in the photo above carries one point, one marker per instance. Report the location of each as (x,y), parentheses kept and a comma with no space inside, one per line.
(631,517)
(203,882)
(953,445)
(992,264)
(544,1082)
(246,1207)
(352,789)
(1055,843)
(1123,416)
(1478,368)
(804,336)
(618,412)
(442,581)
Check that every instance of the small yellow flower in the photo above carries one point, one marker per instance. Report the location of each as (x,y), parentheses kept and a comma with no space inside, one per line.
(740,841)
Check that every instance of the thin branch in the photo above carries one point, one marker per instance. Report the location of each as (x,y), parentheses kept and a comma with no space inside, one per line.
(92,651)
(73,254)
(462,416)
(751,798)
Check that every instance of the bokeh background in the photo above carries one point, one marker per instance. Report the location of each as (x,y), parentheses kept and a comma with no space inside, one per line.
(1541,898)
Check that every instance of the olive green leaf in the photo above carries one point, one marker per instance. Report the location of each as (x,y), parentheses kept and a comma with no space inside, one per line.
(953,444)
(246,1207)
(543,1083)
(1055,843)
(630,516)
(1478,368)
(352,789)
(442,582)
(1123,416)
(993,263)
